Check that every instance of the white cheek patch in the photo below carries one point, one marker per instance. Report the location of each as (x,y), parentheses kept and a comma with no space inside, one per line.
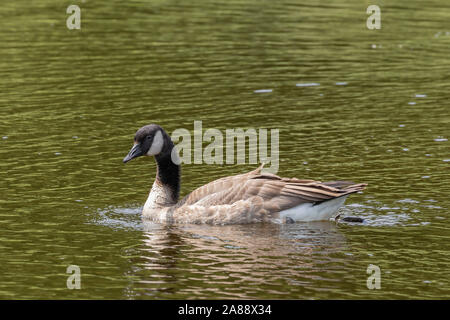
(157,145)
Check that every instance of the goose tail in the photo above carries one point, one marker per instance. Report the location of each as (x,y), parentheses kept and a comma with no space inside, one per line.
(348,187)
(324,210)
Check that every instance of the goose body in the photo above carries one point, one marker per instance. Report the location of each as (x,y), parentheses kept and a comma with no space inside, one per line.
(251,197)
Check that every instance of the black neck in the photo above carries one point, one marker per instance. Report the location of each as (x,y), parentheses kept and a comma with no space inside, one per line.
(168,173)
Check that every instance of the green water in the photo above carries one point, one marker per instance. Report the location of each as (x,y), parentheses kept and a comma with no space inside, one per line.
(71,100)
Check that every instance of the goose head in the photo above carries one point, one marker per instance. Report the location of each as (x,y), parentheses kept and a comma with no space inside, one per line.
(150,140)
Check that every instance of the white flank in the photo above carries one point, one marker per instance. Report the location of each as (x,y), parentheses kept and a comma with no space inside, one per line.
(310,212)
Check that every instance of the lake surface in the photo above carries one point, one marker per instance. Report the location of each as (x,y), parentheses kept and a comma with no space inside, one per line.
(71,101)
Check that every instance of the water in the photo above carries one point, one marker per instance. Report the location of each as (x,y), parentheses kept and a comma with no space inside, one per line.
(350,103)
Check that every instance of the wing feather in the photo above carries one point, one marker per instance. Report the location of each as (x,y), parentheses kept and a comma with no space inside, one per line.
(272,192)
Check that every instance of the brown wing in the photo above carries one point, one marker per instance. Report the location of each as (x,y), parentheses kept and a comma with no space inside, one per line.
(276,193)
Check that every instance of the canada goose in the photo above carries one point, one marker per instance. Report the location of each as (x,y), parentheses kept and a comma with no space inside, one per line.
(245,198)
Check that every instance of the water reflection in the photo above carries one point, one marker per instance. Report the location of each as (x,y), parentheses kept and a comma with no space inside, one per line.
(214,259)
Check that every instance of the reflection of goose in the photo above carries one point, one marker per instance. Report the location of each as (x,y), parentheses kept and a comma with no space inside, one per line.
(265,244)
(270,261)
(246,198)
(258,241)
(254,256)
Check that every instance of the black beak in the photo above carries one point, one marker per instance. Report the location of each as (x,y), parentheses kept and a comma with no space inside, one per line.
(135,152)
